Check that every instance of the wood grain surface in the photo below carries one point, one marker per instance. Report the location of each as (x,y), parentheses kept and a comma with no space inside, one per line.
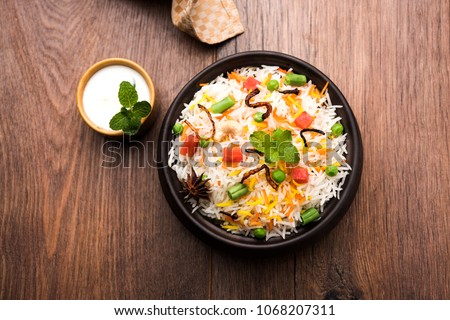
(72,229)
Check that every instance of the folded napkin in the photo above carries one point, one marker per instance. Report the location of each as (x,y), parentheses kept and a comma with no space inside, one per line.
(210,21)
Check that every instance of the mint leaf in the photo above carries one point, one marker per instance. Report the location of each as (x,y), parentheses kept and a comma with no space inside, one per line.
(133,125)
(141,109)
(131,131)
(272,155)
(135,122)
(129,118)
(277,133)
(126,112)
(127,94)
(282,136)
(288,152)
(260,141)
(276,147)
(119,121)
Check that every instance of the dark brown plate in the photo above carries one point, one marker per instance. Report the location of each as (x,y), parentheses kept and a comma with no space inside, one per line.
(214,235)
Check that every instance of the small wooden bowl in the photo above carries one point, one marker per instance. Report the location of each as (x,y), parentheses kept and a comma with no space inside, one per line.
(146,122)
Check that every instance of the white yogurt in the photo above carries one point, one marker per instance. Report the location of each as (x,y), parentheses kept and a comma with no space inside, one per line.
(100,97)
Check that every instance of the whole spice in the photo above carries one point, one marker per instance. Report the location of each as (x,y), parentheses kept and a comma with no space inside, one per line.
(258,104)
(196,186)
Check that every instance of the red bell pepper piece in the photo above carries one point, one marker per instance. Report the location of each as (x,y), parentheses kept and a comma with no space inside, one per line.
(300,175)
(251,83)
(189,146)
(232,154)
(304,120)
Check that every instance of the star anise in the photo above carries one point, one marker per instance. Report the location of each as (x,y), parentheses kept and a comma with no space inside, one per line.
(195,186)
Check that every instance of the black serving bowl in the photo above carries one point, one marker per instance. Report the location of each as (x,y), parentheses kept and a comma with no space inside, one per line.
(214,235)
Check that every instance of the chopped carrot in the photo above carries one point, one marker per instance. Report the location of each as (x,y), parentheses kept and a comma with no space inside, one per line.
(254,220)
(277,117)
(203,84)
(282,70)
(294,105)
(255,216)
(235,76)
(233,222)
(184,133)
(324,88)
(288,103)
(289,212)
(266,199)
(227,112)
(229,219)
(313,92)
(294,102)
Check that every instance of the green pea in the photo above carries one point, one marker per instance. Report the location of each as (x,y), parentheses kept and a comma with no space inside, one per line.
(273,85)
(204,177)
(331,171)
(177,128)
(258,117)
(337,129)
(260,233)
(278,175)
(204,143)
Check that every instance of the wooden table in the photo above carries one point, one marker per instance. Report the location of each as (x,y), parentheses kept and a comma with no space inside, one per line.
(70,229)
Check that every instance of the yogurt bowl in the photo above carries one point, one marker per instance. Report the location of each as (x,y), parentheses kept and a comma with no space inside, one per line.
(97,93)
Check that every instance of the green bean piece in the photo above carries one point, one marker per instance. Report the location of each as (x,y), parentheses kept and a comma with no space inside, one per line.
(294,79)
(273,85)
(259,233)
(223,105)
(237,191)
(236,187)
(278,175)
(258,117)
(309,216)
(337,129)
(177,128)
(240,193)
(331,171)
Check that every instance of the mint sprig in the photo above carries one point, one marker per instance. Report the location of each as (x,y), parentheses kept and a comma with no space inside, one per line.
(277,146)
(129,118)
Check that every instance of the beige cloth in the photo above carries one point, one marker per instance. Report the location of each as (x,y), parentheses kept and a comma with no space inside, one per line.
(210,21)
